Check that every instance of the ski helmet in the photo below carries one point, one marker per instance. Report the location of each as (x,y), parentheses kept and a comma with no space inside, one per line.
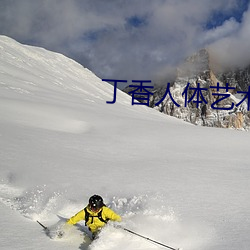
(95,202)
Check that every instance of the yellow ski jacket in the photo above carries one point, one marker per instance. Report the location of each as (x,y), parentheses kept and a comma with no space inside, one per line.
(94,223)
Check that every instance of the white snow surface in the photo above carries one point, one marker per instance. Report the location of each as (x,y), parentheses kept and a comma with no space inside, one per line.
(182,185)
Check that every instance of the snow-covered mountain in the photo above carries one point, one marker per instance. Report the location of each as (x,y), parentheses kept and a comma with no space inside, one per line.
(201,70)
(182,185)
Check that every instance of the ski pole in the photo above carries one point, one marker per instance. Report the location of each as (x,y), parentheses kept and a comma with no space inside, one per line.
(146,238)
(45,228)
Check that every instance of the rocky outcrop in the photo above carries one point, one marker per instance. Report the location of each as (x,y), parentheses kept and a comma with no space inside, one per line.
(197,72)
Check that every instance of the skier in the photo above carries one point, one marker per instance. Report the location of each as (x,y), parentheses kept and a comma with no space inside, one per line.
(95,214)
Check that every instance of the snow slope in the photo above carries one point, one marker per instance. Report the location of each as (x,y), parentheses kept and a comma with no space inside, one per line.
(176,183)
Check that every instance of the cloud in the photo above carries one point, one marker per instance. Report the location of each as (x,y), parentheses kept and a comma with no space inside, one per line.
(233,49)
(120,39)
(226,29)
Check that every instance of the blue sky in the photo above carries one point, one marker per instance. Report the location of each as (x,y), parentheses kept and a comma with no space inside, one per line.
(218,17)
(131,39)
